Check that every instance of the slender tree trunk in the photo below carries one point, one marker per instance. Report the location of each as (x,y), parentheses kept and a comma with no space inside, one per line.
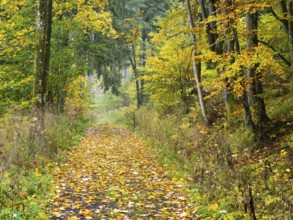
(144,42)
(91,76)
(290,28)
(196,70)
(255,88)
(44,23)
(204,15)
(134,68)
(229,48)
(244,99)
(213,37)
(138,95)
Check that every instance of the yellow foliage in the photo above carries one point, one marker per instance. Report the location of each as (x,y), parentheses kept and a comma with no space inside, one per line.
(169,72)
(92,19)
(91,15)
(78,97)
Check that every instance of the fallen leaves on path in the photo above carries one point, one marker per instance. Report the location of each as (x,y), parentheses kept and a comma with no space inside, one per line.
(112,175)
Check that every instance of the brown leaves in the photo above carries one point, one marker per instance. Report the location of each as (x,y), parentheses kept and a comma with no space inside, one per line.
(23,195)
(113,175)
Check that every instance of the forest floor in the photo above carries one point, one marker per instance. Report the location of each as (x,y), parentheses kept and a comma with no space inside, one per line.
(113,175)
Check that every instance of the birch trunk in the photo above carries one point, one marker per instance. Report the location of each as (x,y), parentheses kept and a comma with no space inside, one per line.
(196,69)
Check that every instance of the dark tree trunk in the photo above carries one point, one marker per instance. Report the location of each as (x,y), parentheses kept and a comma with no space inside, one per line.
(134,68)
(255,89)
(144,42)
(290,28)
(211,27)
(44,23)
(204,16)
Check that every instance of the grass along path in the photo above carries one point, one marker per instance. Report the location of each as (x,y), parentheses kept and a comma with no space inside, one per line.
(112,175)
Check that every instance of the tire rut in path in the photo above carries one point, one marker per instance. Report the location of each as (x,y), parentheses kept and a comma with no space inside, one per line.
(112,175)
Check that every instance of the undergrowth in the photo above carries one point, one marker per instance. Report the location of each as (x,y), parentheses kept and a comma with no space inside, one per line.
(225,165)
(27,158)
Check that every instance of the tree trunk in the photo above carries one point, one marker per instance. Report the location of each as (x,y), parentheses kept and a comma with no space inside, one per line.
(196,70)
(143,57)
(134,68)
(229,48)
(204,16)
(251,27)
(43,31)
(248,118)
(91,71)
(290,28)
(215,46)
(138,94)
(244,99)
(255,89)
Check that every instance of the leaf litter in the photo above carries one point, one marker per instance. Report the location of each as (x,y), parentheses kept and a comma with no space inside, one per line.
(113,175)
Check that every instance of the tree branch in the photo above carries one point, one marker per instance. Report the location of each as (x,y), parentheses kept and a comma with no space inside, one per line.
(280,55)
(282,20)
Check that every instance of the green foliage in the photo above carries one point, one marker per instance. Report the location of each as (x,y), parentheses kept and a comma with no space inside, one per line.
(17,22)
(109,109)
(284,105)
(242,140)
(23,193)
(80,32)
(64,133)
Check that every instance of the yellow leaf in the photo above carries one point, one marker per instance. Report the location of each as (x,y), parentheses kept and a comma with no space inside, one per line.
(37,171)
(283,153)
(57,214)
(214,206)
(43,216)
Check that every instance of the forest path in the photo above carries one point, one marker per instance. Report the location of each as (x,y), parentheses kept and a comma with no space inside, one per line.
(113,175)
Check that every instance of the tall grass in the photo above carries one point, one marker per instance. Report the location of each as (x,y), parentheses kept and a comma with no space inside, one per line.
(25,159)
